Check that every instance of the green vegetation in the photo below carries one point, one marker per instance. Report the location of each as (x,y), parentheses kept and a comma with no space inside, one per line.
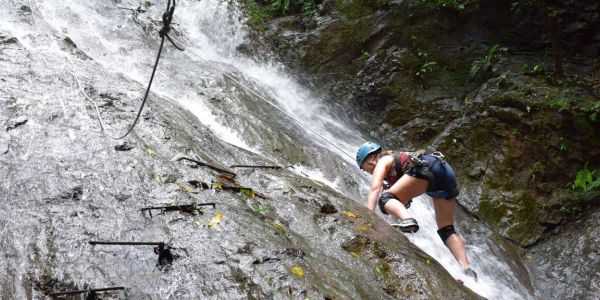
(586,181)
(483,65)
(426,68)
(285,7)
(455,4)
(261,10)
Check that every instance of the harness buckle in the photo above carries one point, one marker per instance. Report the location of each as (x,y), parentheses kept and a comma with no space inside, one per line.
(439,156)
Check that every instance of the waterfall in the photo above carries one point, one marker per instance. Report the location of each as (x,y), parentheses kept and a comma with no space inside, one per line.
(199,79)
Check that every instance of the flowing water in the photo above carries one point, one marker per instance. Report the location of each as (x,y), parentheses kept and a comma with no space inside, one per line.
(233,96)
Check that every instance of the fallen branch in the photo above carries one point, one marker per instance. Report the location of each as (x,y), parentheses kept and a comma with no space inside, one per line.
(203,164)
(191,208)
(165,257)
(257,167)
(115,288)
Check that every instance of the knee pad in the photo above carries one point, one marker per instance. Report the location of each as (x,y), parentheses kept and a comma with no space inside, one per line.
(424,173)
(383,199)
(445,232)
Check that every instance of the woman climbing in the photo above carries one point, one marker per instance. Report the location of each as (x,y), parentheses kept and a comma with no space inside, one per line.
(410,175)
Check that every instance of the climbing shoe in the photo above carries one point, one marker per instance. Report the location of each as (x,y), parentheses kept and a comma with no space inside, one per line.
(409,225)
(471,273)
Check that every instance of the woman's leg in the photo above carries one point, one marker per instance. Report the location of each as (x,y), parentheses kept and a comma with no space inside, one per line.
(444,216)
(405,189)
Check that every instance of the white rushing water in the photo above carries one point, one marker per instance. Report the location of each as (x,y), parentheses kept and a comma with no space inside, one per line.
(212,31)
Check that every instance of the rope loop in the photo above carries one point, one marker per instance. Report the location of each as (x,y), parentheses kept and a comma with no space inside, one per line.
(167,17)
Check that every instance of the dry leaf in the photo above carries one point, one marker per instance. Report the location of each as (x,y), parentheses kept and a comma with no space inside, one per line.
(350,214)
(215,220)
(150,151)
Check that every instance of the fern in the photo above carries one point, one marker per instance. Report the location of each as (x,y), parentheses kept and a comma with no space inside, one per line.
(484,64)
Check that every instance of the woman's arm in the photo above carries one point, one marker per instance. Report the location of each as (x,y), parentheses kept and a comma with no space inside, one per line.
(381,170)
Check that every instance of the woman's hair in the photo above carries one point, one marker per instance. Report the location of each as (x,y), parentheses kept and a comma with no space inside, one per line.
(387,152)
(379,153)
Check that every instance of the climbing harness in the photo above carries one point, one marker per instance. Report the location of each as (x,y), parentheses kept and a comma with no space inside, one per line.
(414,160)
(164,32)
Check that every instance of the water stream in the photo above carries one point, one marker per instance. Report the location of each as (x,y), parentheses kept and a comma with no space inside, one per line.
(199,79)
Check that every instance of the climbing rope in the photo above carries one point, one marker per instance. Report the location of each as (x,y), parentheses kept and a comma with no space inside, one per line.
(164,32)
(167,18)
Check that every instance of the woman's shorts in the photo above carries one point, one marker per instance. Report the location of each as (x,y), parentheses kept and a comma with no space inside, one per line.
(442,181)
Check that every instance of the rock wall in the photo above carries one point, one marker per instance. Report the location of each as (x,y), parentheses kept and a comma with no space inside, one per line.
(417,75)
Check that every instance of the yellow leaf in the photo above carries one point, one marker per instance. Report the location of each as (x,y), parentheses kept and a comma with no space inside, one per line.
(248,192)
(198,222)
(215,220)
(363,228)
(157,177)
(350,214)
(217,186)
(150,151)
(298,271)
(428,261)
(185,187)
(355,254)
(279,228)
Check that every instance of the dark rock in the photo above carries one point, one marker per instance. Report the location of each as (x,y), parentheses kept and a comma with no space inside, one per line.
(125,146)
(506,114)
(16,122)
(8,40)
(74,194)
(477,170)
(295,252)
(328,208)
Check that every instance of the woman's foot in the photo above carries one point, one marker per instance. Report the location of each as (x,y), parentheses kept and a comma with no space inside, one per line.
(471,273)
(409,225)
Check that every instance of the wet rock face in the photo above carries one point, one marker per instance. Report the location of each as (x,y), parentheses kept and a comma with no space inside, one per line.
(515,141)
(566,266)
(65,183)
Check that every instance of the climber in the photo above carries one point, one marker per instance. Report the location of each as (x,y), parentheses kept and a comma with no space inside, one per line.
(409,175)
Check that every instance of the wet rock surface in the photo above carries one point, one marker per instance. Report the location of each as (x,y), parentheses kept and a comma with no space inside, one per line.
(515,139)
(567,264)
(65,183)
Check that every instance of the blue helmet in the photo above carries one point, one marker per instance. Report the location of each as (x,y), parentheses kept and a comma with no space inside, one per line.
(364,151)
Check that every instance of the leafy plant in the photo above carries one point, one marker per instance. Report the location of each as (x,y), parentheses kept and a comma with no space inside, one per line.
(262,209)
(592,109)
(425,68)
(484,64)
(455,4)
(563,144)
(257,15)
(586,180)
(285,7)
(364,55)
